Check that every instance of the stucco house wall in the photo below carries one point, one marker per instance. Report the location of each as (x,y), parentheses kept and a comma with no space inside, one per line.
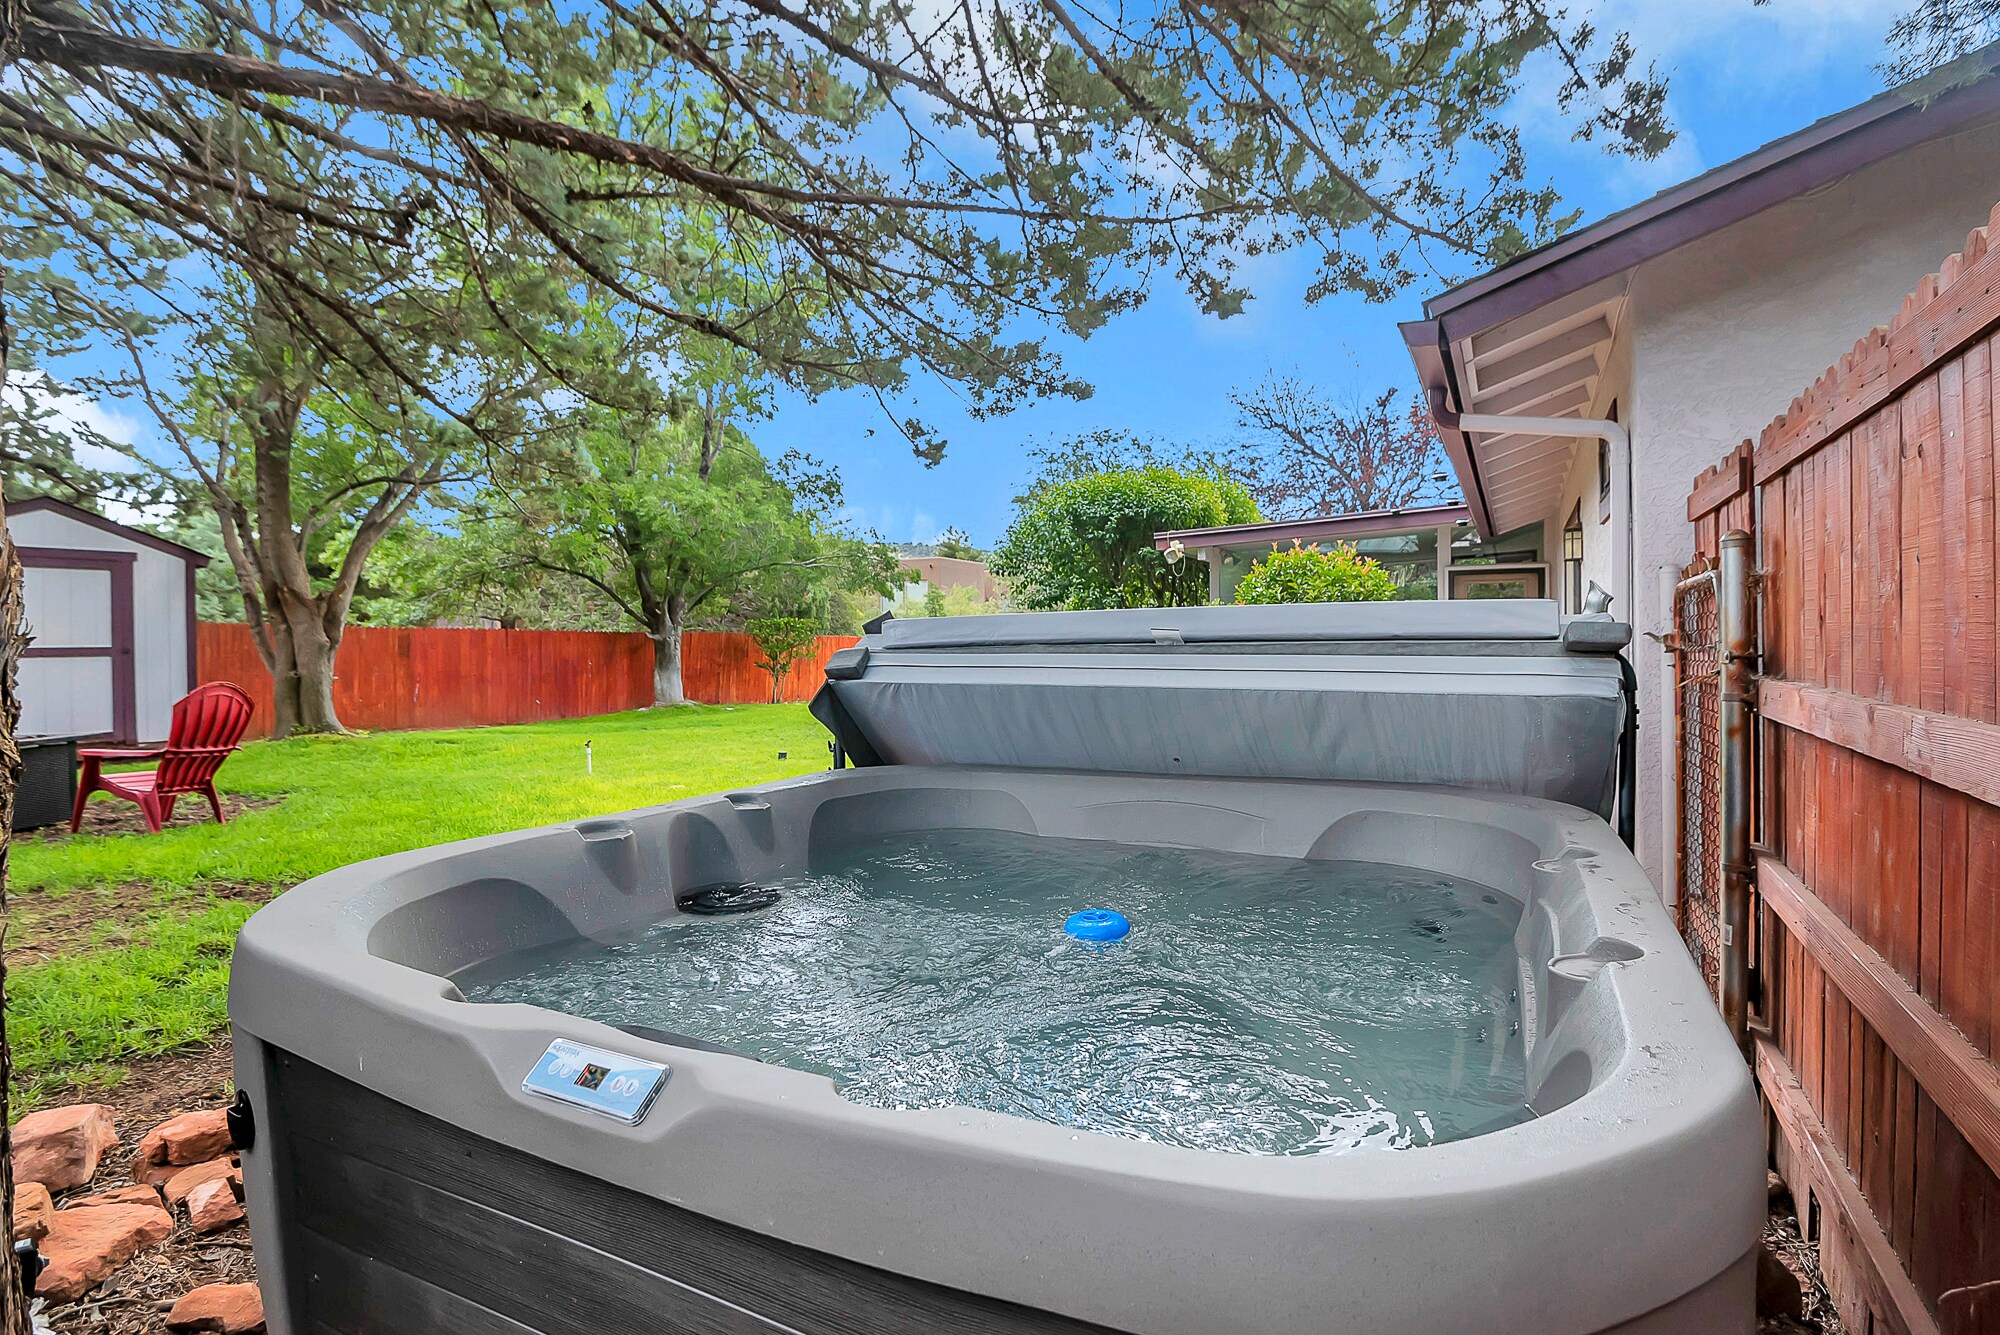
(1719,336)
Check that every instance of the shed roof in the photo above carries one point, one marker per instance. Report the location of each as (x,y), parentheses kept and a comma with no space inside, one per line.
(50,505)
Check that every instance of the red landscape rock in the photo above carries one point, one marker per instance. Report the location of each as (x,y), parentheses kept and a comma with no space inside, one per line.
(32,1210)
(60,1147)
(190,1138)
(155,1175)
(83,1247)
(229,1309)
(136,1194)
(185,1180)
(213,1206)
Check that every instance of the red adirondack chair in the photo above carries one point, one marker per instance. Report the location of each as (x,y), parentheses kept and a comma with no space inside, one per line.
(209,721)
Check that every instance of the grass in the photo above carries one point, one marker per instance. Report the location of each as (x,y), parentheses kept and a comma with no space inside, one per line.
(148,971)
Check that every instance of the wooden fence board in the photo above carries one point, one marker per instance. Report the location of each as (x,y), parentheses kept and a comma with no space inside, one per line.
(1929,511)
(397,678)
(1720,484)
(1834,1185)
(1963,1082)
(1878,522)
(1957,753)
(1939,320)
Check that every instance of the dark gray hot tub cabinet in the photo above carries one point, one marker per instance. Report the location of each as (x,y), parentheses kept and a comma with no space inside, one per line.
(401,1180)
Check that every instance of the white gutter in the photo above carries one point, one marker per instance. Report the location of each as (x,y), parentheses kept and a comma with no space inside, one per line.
(1579,428)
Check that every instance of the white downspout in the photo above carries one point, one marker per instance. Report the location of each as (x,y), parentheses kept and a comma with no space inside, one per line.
(1582,428)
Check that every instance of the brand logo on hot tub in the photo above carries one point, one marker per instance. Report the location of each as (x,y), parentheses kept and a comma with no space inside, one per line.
(604,1082)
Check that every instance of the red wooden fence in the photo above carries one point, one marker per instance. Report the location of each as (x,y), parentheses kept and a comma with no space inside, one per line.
(396,678)
(1879,874)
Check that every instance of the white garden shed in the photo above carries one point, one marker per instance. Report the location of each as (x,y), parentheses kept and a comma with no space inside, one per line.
(110,611)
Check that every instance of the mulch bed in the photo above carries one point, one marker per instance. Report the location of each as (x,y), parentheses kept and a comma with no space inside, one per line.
(134,1301)
(104,815)
(1782,1238)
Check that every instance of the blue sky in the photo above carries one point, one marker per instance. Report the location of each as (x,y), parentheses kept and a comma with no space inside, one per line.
(1741,75)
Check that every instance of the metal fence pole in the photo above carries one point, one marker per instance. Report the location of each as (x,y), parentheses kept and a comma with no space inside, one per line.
(1738,701)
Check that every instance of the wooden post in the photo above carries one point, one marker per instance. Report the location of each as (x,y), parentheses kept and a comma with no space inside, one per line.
(1739,654)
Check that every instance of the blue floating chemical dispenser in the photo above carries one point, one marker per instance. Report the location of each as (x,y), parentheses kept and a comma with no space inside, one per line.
(1097,925)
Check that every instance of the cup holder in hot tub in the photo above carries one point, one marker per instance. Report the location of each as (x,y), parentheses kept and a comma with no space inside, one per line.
(1569,975)
(1604,950)
(613,848)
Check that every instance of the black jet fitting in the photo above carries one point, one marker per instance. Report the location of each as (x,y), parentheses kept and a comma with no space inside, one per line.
(30,1259)
(242,1122)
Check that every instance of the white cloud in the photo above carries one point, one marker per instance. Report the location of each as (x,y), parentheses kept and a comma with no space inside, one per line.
(1748,53)
(76,415)
(1776,43)
(890,522)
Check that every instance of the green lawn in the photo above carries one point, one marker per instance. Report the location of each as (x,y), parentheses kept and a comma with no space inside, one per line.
(124,940)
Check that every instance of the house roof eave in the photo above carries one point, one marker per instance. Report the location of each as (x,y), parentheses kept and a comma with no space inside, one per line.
(1363,524)
(1957,95)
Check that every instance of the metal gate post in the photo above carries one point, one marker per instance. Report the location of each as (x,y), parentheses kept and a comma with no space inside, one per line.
(1738,702)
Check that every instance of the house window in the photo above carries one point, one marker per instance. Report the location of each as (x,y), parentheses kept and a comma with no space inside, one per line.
(1497,582)
(1573,560)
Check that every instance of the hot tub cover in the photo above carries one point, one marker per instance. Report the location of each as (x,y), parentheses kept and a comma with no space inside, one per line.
(1473,694)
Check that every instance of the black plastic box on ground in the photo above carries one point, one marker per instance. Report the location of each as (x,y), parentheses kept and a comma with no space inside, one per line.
(48,782)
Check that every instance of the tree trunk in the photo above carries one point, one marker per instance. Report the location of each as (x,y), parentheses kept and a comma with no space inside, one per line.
(13,1304)
(283,665)
(301,662)
(13,1308)
(315,685)
(667,689)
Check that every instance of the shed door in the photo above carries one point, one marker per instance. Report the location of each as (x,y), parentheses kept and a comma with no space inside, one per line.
(77,673)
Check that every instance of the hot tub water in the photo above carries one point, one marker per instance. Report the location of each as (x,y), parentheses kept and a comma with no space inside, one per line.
(1259,1005)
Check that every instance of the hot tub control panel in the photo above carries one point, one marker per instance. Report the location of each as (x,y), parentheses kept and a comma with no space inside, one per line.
(603,1082)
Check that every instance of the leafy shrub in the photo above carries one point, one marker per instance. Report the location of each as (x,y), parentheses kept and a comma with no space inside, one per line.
(1087,541)
(1309,575)
(782,641)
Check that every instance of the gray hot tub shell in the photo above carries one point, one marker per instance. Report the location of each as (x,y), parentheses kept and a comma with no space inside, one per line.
(401,1180)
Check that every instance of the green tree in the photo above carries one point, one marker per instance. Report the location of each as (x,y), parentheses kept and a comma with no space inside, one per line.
(1312,454)
(1933,33)
(667,532)
(919,188)
(216,594)
(422,576)
(1088,541)
(962,601)
(308,453)
(956,545)
(1309,575)
(782,642)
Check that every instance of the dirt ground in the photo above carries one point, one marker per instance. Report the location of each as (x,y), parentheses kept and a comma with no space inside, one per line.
(42,926)
(136,1298)
(107,815)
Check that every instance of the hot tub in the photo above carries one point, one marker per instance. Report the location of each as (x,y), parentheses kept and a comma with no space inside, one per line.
(425,1163)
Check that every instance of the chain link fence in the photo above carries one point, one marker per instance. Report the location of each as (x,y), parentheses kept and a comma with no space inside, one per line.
(1698,744)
